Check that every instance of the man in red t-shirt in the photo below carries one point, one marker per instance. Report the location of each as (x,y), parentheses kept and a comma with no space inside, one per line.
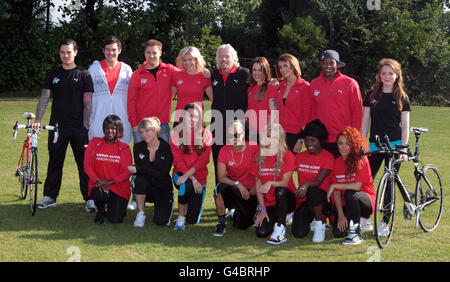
(336,99)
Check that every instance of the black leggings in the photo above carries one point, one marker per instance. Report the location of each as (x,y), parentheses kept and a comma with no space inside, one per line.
(357,204)
(116,205)
(244,209)
(303,216)
(162,197)
(194,201)
(285,203)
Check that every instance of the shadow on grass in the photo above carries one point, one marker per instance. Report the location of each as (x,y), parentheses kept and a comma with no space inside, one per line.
(69,221)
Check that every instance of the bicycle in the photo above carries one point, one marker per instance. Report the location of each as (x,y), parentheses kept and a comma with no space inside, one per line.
(27,168)
(426,203)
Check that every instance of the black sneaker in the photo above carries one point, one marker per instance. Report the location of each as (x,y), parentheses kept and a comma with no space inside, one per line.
(99,218)
(220,230)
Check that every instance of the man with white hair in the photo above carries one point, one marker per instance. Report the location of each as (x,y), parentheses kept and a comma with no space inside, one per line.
(229,84)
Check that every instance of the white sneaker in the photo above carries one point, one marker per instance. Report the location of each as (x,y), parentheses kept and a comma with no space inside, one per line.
(319,231)
(278,235)
(365,224)
(140,220)
(132,206)
(180,224)
(90,206)
(46,202)
(383,229)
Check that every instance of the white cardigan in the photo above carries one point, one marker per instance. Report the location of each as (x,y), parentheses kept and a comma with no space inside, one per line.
(104,104)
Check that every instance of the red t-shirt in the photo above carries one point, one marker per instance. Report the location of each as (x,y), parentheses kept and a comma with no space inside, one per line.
(268,174)
(363,175)
(190,89)
(109,161)
(111,74)
(239,163)
(261,108)
(309,166)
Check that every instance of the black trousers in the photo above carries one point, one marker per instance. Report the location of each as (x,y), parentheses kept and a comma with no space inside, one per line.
(161,197)
(245,210)
(116,206)
(215,149)
(357,204)
(194,201)
(286,203)
(77,137)
(303,215)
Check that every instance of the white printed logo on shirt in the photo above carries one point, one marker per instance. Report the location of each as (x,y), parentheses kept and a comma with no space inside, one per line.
(143,81)
(316,92)
(180,82)
(141,156)
(235,80)
(55,80)
(340,91)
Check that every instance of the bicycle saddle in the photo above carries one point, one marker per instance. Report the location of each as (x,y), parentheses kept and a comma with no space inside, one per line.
(419,129)
(28,115)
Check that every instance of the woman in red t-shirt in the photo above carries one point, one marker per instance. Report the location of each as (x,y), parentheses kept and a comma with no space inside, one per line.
(274,185)
(191,148)
(192,82)
(352,186)
(293,100)
(261,97)
(313,167)
(236,185)
(106,163)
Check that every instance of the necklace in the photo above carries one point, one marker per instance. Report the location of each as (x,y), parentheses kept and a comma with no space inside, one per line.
(242,157)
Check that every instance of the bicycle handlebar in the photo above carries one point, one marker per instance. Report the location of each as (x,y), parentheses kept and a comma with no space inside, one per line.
(54,128)
(386,148)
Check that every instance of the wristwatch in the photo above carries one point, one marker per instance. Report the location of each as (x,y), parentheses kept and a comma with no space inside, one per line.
(236,183)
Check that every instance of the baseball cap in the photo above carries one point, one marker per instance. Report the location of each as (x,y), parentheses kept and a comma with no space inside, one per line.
(333,55)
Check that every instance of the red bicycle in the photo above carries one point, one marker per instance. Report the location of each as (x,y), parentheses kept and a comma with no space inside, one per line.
(27,168)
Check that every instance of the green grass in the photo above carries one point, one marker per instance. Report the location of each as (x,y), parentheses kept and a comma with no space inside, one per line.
(51,234)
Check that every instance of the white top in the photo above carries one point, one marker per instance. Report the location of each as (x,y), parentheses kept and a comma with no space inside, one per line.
(104,104)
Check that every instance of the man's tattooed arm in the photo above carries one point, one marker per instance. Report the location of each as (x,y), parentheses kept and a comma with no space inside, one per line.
(41,107)
(87,109)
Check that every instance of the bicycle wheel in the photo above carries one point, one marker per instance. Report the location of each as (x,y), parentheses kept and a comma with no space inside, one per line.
(430,198)
(384,211)
(33,180)
(22,172)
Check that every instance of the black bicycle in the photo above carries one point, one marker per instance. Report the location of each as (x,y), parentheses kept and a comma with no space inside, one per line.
(426,203)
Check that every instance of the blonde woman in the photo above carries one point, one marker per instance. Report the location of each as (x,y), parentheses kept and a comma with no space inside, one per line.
(153,162)
(274,185)
(192,82)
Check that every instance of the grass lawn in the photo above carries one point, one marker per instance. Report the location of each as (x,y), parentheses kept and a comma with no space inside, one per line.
(67,232)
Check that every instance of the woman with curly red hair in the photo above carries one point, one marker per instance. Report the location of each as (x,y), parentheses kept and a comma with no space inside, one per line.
(352,186)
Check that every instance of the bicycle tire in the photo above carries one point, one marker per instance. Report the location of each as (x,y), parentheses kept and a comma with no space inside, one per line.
(23,172)
(384,210)
(429,191)
(33,180)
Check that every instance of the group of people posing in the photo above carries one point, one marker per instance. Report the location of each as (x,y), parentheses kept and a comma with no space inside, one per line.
(255,154)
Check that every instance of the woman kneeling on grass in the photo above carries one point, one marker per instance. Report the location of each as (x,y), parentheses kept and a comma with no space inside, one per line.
(274,185)
(153,184)
(236,185)
(191,149)
(313,167)
(106,163)
(352,186)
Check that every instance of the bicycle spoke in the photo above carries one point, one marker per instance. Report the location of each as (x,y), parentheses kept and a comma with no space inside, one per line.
(429,198)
